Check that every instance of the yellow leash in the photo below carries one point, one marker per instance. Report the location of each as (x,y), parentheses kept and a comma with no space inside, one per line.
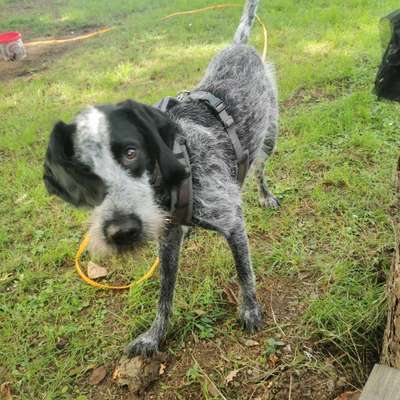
(85,241)
(84,277)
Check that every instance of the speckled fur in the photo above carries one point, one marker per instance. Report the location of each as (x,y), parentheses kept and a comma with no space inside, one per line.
(125,194)
(238,76)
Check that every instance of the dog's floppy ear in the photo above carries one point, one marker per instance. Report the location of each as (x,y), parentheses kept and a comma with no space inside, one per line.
(65,176)
(159,133)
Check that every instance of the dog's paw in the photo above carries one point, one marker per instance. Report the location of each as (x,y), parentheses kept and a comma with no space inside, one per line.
(269,201)
(251,318)
(144,345)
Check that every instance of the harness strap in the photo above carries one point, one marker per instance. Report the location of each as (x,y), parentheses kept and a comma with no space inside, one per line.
(218,106)
(182,195)
(181,206)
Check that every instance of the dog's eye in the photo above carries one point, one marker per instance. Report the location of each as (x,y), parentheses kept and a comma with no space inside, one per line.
(130,154)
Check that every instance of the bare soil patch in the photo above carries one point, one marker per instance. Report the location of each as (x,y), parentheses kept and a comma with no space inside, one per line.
(40,57)
(269,364)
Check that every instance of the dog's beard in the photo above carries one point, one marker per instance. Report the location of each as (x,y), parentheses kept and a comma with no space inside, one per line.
(153,228)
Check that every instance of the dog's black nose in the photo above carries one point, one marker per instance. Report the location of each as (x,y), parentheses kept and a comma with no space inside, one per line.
(123,231)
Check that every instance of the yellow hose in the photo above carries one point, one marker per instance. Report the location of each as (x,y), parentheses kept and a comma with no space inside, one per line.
(73,39)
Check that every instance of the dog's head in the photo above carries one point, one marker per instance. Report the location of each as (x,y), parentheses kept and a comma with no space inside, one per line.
(104,160)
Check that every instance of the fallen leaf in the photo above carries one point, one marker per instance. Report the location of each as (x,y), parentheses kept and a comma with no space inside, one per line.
(95,271)
(5,391)
(287,348)
(21,198)
(97,375)
(212,389)
(354,395)
(5,277)
(273,361)
(251,343)
(80,370)
(231,376)
(230,295)
(162,369)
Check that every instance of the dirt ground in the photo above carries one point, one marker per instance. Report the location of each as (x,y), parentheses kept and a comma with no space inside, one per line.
(246,367)
(39,57)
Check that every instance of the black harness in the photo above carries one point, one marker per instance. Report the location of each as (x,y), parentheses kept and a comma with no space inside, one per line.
(182,195)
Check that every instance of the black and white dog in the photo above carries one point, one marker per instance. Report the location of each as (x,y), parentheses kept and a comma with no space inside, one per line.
(106,157)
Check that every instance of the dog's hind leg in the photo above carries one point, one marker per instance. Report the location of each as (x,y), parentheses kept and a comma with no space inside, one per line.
(249,309)
(148,342)
(266,198)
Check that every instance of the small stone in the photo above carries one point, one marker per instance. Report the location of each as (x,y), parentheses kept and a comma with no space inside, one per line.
(61,343)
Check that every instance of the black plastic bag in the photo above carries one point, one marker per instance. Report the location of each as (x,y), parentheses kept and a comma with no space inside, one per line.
(387,82)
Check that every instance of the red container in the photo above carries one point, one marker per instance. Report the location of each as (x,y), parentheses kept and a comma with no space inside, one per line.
(11,46)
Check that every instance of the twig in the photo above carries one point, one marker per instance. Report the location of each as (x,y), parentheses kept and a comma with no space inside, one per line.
(290,387)
(274,318)
(252,394)
(229,292)
(209,379)
(265,376)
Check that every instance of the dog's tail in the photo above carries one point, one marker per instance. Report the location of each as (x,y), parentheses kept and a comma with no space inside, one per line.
(246,22)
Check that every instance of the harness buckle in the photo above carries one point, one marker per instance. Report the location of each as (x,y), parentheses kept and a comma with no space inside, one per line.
(182,95)
(220,107)
(229,122)
(226,119)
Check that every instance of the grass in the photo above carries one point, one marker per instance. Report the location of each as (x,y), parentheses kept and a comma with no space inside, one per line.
(333,171)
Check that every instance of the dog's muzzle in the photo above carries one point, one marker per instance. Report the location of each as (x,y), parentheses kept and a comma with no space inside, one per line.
(123,232)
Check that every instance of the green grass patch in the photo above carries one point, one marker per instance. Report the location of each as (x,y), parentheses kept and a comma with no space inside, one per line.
(333,171)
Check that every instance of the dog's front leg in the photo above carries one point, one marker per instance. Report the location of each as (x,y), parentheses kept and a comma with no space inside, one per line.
(249,309)
(148,342)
